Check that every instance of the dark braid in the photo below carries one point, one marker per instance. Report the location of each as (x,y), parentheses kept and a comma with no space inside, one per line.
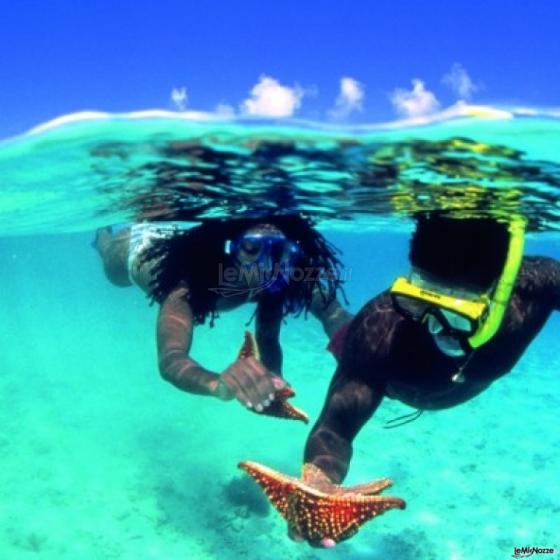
(193,257)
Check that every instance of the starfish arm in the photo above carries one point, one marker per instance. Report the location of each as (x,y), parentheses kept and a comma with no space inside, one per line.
(249,347)
(316,515)
(279,407)
(276,486)
(369,488)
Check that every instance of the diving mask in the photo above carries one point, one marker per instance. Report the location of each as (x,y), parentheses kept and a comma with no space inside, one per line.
(271,254)
(454,315)
(477,317)
(254,249)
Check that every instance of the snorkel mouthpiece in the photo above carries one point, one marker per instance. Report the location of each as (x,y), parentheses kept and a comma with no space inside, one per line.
(278,283)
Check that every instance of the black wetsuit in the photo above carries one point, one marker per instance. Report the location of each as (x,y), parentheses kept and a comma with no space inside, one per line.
(386,355)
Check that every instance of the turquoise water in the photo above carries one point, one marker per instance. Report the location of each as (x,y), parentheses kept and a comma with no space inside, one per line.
(88,173)
(101,459)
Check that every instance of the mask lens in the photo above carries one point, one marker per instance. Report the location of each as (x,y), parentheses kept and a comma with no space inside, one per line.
(251,246)
(449,345)
(434,326)
(457,322)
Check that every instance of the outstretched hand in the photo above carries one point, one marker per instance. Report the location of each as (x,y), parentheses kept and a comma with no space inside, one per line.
(318,511)
(256,387)
(248,381)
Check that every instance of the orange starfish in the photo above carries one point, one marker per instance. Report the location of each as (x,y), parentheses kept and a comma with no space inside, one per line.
(279,407)
(325,511)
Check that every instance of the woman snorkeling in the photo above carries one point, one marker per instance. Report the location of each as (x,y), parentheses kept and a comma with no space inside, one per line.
(280,263)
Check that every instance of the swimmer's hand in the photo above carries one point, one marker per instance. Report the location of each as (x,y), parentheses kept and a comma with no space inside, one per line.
(317,510)
(256,387)
(248,381)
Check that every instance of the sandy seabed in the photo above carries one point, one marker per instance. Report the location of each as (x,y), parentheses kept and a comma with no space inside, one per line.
(100,459)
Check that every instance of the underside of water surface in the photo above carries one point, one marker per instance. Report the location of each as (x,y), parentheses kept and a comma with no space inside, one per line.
(89,172)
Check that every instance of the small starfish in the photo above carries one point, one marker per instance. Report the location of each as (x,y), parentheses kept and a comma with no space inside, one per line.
(279,407)
(325,511)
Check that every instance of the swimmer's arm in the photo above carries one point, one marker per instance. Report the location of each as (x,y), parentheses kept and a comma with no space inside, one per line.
(268,320)
(332,316)
(544,274)
(555,278)
(174,338)
(349,405)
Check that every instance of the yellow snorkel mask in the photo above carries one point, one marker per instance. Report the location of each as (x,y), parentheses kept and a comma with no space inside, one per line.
(477,317)
(455,314)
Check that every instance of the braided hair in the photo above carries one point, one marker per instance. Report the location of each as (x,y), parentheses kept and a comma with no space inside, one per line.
(194,257)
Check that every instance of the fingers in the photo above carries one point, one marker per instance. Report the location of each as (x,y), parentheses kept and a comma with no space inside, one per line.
(325,542)
(263,383)
(278,383)
(296,536)
(253,385)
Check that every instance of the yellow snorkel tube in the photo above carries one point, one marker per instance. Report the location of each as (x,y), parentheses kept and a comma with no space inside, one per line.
(504,288)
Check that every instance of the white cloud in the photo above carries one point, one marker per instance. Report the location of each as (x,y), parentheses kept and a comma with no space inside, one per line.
(224,110)
(415,103)
(460,82)
(269,98)
(179,98)
(349,99)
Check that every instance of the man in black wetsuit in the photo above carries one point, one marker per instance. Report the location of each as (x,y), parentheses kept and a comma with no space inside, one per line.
(461,320)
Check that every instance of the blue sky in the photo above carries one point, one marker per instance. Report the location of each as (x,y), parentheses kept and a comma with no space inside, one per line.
(64,56)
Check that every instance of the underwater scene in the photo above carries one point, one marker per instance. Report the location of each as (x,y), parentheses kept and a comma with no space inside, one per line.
(104,459)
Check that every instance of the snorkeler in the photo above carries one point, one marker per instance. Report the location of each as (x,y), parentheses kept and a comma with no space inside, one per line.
(462,319)
(281,264)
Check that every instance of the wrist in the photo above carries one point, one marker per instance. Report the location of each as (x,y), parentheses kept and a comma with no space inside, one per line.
(317,478)
(220,389)
(193,378)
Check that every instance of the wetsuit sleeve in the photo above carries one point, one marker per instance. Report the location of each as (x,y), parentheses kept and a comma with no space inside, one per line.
(174,338)
(350,403)
(543,274)
(555,283)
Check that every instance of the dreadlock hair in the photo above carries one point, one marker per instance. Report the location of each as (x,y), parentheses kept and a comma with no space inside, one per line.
(466,252)
(194,257)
